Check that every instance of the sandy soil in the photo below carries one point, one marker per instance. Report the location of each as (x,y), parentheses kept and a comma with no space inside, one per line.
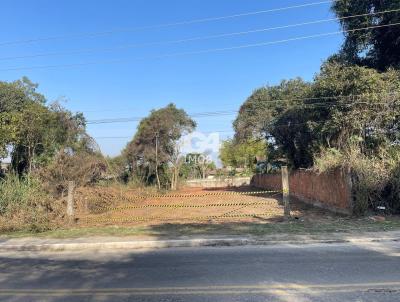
(117,206)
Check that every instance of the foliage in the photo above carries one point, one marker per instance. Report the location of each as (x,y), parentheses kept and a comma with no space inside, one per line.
(242,154)
(347,117)
(342,105)
(34,132)
(376,179)
(370,115)
(14,95)
(377,47)
(163,127)
(24,205)
(264,105)
(85,168)
(117,166)
(196,165)
(48,145)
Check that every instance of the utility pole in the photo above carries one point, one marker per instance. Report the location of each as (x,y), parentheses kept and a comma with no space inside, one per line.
(158,179)
(286,192)
(70,202)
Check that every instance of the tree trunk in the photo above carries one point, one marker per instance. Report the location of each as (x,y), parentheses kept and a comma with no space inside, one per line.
(158,178)
(30,156)
(173,179)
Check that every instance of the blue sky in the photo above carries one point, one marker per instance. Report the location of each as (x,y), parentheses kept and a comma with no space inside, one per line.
(132,87)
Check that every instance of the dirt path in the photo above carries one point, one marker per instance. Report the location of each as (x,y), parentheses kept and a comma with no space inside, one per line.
(110,206)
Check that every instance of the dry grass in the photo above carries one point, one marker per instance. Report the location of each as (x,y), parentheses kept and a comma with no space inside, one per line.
(376,178)
(267,207)
(25,206)
(110,206)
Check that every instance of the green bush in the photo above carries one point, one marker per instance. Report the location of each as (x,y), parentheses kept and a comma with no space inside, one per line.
(24,205)
(375,178)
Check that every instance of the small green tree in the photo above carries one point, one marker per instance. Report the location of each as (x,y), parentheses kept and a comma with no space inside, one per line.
(155,146)
(197,165)
(242,154)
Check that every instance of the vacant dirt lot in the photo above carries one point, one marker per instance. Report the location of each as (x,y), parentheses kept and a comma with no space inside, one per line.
(113,206)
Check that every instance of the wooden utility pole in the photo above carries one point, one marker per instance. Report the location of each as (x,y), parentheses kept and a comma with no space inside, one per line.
(158,178)
(70,202)
(285,190)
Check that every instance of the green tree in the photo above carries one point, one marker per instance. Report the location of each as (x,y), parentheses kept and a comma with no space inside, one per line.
(15,95)
(34,132)
(39,133)
(264,105)
(377,47)
(155,146)
(344,104)
(366,108)
(197,165)
(242,154)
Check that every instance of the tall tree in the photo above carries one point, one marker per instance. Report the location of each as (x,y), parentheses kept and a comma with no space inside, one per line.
(15,95)
(34,132)
(343,105)
(159,133)
(376,47)
(264,105)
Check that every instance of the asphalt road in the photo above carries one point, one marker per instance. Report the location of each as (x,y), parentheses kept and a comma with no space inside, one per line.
(331,272)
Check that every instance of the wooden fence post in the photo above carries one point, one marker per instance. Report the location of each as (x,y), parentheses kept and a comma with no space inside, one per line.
(285,190)
(70,202)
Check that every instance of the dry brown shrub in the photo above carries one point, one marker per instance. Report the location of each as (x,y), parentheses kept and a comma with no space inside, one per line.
(82,168)
(375,178)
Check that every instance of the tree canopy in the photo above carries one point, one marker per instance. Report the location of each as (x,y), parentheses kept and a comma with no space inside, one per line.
(155,145)
(343,105)
(243,154)
(264,105)
(374,47)
(33,131)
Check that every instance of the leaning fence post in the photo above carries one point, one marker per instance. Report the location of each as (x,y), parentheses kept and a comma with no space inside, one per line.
(285,190)
(70,202)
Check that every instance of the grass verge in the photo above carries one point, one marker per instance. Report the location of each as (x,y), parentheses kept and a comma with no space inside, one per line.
(165,231)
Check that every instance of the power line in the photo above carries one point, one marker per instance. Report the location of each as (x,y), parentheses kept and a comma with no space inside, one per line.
(203,51)
(233,112)
(227,131)
(232,131)
(129,46)
(352,97)
(165,25)
(137,119)
(127,137)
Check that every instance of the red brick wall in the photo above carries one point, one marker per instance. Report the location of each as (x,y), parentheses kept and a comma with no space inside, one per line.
(330,190)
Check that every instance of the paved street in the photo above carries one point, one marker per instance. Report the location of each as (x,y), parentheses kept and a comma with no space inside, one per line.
(324,272)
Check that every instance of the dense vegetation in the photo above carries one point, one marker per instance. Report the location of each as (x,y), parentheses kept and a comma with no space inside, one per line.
(243,155)
(48,146)
(154,154)
(377,47)
(348,116)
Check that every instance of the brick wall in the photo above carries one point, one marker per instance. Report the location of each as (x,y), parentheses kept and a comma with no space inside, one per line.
(329,190)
